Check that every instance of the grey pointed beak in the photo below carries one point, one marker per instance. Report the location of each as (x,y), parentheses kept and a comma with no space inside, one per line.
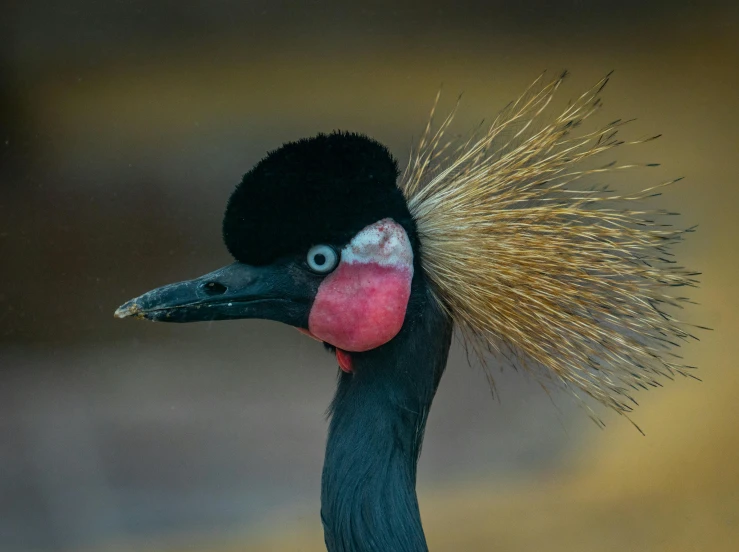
(232,292)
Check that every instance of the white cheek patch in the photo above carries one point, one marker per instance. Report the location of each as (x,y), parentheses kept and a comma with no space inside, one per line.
(384,243)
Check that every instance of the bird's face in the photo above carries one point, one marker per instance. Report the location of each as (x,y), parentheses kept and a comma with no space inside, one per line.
(323,241)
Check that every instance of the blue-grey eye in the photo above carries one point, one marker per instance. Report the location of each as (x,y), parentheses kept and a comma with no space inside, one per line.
(322,258)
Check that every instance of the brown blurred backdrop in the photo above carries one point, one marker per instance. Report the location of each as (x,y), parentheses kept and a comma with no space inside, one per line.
(123,127)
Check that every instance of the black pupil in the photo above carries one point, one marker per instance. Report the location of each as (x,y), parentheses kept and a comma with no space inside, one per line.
(320,259)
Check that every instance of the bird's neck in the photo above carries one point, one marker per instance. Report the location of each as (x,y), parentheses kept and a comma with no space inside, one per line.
(368,494)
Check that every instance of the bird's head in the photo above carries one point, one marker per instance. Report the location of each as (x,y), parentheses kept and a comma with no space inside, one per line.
(323,240)
(530,264)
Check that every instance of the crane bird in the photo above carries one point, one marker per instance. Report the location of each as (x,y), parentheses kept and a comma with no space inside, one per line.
(493,234)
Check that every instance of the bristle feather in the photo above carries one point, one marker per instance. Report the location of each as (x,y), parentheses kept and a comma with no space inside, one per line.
(537,272)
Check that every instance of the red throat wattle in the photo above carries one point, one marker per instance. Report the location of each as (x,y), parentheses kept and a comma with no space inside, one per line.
(362,303)
(342,357)
(345,361)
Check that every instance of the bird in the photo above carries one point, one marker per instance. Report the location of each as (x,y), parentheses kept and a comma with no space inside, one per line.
(497,236)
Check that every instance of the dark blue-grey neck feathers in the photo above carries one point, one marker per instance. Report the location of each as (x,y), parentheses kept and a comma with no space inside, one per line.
(368,496)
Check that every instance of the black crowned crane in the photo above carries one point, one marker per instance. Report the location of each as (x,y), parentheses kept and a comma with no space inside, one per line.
(491,234)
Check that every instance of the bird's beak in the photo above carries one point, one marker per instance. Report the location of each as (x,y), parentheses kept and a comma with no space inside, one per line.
(235,291)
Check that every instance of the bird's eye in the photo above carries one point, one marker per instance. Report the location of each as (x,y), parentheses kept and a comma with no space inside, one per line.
(322,258)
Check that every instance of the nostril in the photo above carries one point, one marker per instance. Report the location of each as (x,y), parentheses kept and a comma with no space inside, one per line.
(213,288)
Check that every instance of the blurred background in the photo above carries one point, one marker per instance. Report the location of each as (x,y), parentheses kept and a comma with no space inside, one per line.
(124,125)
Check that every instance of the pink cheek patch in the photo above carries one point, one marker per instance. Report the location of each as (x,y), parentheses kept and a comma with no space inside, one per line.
(362,304)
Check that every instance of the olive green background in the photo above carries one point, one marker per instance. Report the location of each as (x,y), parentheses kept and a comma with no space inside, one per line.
(123,127)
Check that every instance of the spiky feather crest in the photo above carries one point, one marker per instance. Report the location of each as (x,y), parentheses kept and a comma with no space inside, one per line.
(572,283)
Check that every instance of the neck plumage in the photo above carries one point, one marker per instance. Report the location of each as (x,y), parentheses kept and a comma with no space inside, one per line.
(379,413)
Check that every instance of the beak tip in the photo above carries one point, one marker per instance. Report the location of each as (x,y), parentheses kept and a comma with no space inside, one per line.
(127,309)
